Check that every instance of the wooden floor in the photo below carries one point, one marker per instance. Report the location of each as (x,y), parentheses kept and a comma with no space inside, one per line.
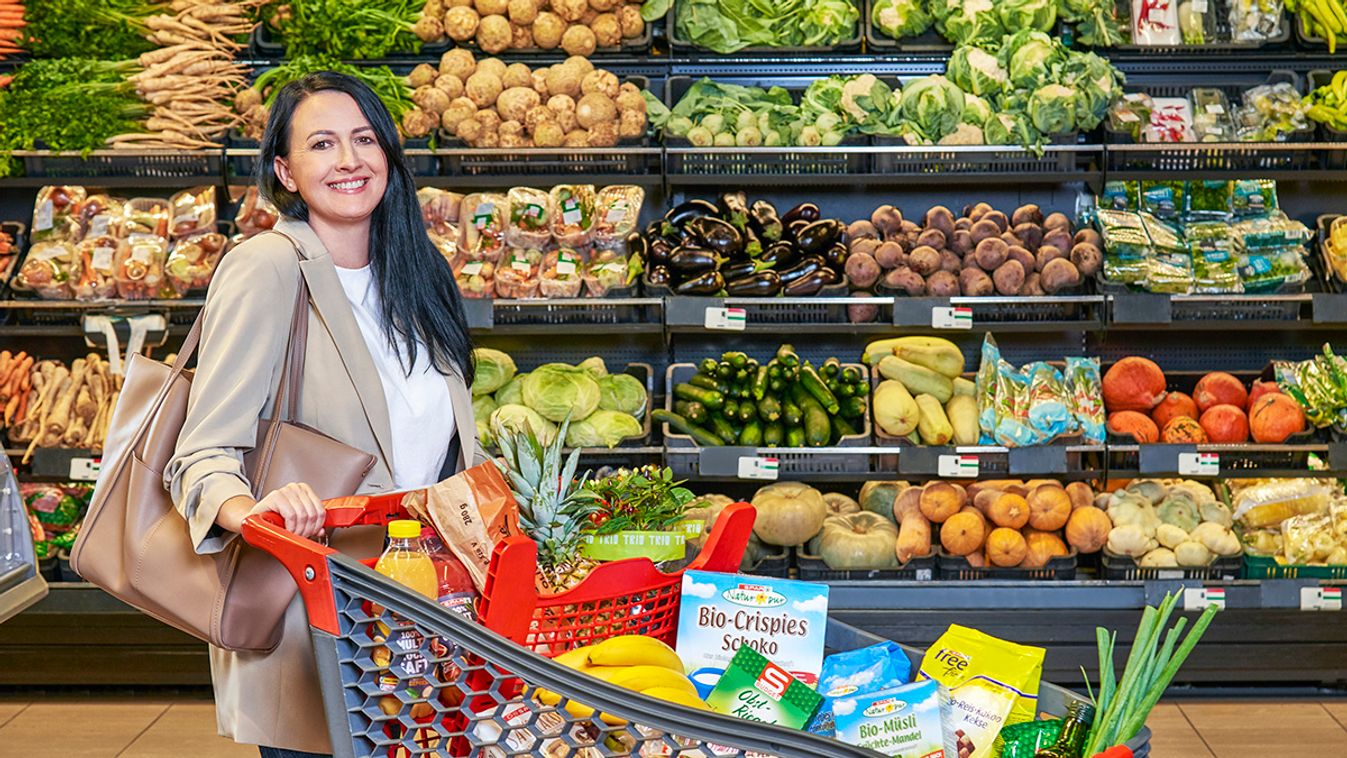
(148,728)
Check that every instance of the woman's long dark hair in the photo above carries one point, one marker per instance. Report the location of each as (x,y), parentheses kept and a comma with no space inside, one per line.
(418,293)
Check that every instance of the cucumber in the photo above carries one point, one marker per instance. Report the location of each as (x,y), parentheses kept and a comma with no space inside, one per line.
(751,435)
(773,434)
(680,424)
(712,399)
(692,411)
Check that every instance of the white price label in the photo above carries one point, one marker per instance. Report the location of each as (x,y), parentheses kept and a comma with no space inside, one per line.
(727,319)
(472,269)
(521,264)
(565,265)
(570,212)
(84,469)
(1216,108)
(617,213)
(1198,598)
(99,226)
(1199,464)
(102,260)
(142,253)
(1320,598)
(957,466)
(1128,117)
(757,467)
(951,318)
(1199,6)
(43,216)
(923,575)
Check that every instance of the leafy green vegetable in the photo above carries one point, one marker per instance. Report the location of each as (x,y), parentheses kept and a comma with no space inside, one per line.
(603,429)
(1040,15)
(558,392)
(1029,56)
(1097,22)
(1052,109)
(115,29)
(622,392)
(727,26)
(520,419)
(1010,129)
(365,30)
(647,499)
(390,87)
(493,369)
(969,22)
(901,18)
(1096,83)
(933,105)
(977,71)
(976,111)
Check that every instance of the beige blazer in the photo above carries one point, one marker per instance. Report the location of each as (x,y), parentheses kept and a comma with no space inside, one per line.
(273,699)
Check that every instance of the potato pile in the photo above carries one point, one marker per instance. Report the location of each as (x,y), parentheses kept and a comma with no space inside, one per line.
(981,253)
(577,26)
(489,104)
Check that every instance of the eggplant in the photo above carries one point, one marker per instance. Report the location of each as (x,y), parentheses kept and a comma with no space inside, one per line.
(809,284)
(836,254)
(659,251)
(682,213)
(763,220)
(688,260)
(793,228)
(752,245)
(761,284)
(819,236)
(803,268)
(741,269)
(831,275)
(734,209)
(715,234)
(780,254)
(659,275)
(806,211)
(638,246)
(706,283)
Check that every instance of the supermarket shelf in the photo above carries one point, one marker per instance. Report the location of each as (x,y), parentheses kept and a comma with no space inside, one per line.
(102,306)
(1309,310)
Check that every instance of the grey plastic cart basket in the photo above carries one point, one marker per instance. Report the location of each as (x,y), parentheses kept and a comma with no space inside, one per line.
(403,676)
(20,584)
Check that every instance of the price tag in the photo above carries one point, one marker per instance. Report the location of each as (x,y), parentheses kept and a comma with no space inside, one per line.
(923,575)
(951,318)
(757,467)
(1199,464)
(565,266)
(85,469)
(1320,598)
(521,264)
(617,213)
(472,269)
(1128,117)
(481,216)
(1199,6)
(957,466)
(99,226)
(726,319)
(102,260)
(1216,108)
(1198,598)
(570,212)
(43,216)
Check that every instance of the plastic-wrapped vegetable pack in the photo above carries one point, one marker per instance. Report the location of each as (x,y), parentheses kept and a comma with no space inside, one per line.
(192,262)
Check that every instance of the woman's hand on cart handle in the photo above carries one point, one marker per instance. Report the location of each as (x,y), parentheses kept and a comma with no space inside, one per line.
(296,504)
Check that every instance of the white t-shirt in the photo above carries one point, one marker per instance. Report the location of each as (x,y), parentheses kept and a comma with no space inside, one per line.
(420,411)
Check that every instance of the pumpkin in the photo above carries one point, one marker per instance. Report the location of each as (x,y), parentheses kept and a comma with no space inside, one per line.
(1219,388)
(1275,417)
(1042,547)
(788,513)
(1006,547)
(878,497)
(1081,495)
(1183,430)
(1087,529)
(939,501)
(1259,389)
(1174,405)
(1225,423)
(914,530)
(963,533)
(1133,384)
(1133,424)
(839,504)
(858,541)
(1049,507)
(1008,510)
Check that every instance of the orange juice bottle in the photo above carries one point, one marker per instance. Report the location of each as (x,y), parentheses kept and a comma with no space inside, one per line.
(406,561)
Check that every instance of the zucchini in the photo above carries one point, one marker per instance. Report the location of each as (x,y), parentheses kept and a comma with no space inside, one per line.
(724,370)
(842,428)
(853,407)
(751,435)
(831,368)
(760,378)
(851,375)
(708,366)
(817,429)
(735,358)
(794,436)
(692,411)
(787,356)
(769,409)
(707,382)
(680,424)
(720,427)
(814,384)
(712,399)
(747,411)
(791,413)
(730,409)
(773,434)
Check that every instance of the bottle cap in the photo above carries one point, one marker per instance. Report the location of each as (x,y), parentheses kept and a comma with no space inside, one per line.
(404,530)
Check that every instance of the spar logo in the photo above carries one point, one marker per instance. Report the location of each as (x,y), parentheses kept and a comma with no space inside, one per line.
(885,707)
(754,596)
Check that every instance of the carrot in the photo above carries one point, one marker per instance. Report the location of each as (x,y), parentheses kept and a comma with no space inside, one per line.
(21,415)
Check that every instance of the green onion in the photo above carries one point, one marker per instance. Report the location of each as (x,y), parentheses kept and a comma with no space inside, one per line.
(1122,710)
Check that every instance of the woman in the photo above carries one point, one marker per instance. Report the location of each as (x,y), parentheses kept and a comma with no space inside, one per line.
(384,368)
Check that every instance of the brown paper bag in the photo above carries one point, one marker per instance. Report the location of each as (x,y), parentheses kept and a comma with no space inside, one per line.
(472,511)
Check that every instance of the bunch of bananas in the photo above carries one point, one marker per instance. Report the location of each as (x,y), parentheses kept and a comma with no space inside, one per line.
(641,664)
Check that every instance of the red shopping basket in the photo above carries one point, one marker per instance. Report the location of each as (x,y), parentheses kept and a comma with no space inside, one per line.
(403,676)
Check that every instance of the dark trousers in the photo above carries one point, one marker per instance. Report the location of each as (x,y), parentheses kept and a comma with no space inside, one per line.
(275,752)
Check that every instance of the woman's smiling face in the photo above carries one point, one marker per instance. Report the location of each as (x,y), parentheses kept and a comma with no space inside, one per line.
(335,162)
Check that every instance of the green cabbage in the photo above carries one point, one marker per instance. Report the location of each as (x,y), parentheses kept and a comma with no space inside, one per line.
(976,71)
(483,406)
(603,429)
(493,369)
(1052,109)
(1029,57)
(901,18)
(484,434)
(557,392)
(518,419)
(933,105)
(1027,14)
(595,366)
(513,391)
(622,392)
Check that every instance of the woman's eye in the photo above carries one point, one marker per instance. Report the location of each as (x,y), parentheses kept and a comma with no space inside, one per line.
(365,140)
(321,144)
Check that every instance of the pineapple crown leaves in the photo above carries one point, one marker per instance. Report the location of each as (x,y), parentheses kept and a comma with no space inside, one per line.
(549,495)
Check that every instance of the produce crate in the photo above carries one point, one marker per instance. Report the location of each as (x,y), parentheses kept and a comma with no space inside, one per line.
(243,166)
(265,44)
(957,568)
(1266,567)
(851,44)
(1222,44)
(1123,568)
(621,308)
(776,565)
(1330,159)
(1078,310)
(826,307)
(1221,307)
(811,568)
(1226,157)
(978,159)
(103,165)
(1333,279)
(681,453)
(876,41)
(729,162)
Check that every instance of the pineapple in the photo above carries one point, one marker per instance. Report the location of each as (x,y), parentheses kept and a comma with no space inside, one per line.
(554,508)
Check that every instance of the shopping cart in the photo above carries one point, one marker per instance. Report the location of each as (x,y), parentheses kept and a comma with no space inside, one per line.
(20,583)
(402,676)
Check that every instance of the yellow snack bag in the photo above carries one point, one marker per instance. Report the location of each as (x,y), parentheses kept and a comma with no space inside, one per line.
(992,684)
